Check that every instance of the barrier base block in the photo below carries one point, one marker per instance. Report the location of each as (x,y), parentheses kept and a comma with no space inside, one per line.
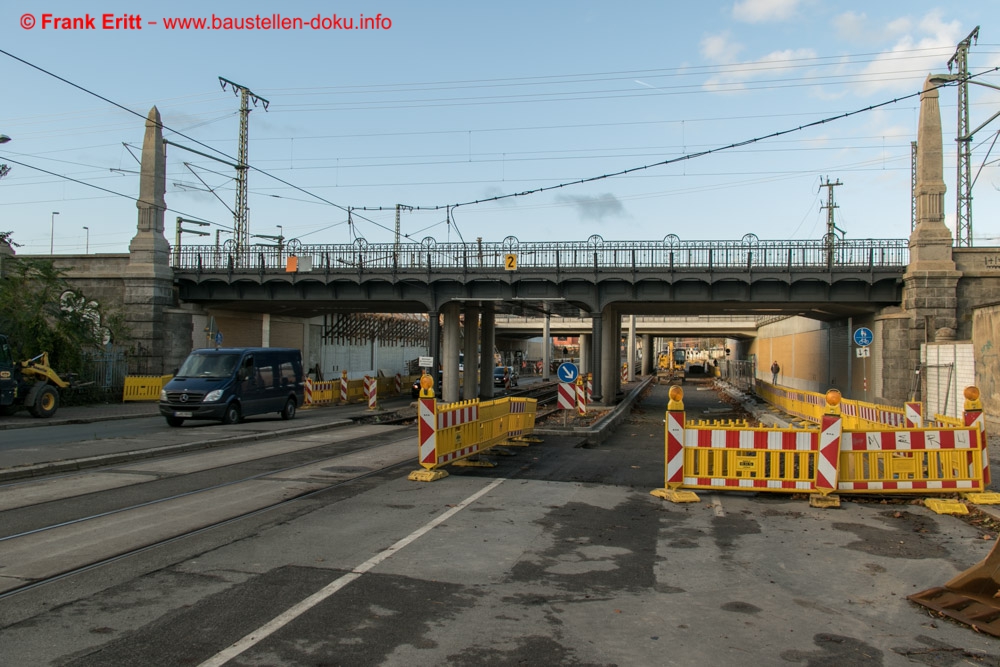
(946,506)
(427,475)
(477,463)
(522,441)
(676,495)
(500,451)
(987,498)
(824,501)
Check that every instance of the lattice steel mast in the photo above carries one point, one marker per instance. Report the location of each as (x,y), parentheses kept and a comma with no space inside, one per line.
(963,193)
(241,218)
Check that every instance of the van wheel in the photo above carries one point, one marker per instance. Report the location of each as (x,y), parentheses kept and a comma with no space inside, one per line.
(175,421)
(232,415)
(289,411)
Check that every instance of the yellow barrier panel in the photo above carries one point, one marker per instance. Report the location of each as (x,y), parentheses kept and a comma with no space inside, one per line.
(759,459)
(144,387)
(912,460)
(450,432)
(945,420)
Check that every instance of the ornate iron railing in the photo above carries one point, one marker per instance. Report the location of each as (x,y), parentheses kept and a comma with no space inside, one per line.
(670,254)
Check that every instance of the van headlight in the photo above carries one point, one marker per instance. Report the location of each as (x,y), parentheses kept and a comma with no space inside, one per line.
(212,396)
(163,395)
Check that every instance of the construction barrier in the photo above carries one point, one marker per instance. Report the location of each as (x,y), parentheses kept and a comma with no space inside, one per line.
(371,392)
(450,433)
(353,391)
(144,387)
(581,398)
(857,415)
(565,396)
(825,462)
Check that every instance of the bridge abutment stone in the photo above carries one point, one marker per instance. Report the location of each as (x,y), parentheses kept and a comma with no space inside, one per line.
(486,362)
(470,381)
(449,353)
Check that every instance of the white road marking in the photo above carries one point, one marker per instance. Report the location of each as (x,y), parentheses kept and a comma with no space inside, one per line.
(291,614)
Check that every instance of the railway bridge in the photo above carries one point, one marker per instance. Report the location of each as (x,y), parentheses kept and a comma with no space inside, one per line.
(914,292)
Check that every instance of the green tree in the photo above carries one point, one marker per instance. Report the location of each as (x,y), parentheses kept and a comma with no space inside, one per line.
(41,312)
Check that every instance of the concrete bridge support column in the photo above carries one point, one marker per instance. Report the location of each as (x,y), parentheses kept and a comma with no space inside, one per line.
(470,382)
(434,342)
(595,356)
(630,350)
(647,354)
(546,346)
(265,330)
(611,356)
(486,361)
(586,365)
(449,353)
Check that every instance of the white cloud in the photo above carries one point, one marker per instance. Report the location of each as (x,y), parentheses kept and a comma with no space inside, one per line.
(596,207)
(734,77)
(850,24)
(764,11)
(720,48)
(926,48)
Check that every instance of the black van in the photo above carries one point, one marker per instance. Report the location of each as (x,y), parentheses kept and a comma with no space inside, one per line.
(229,384)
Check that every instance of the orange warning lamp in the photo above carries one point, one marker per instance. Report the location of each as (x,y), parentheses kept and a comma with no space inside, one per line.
(972,398)
(676,395)
(833,397)
(426,386)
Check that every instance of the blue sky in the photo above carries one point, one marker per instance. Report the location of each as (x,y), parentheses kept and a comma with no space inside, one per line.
(457,102)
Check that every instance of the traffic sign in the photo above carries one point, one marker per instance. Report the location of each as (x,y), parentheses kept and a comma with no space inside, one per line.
(510,262)
(218,338)
(863,337)
(567,372)
(425,362)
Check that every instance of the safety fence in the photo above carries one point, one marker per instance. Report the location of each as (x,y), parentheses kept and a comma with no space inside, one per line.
(810,406)
(825,462)
(144,387)
(342,390)
(448,433)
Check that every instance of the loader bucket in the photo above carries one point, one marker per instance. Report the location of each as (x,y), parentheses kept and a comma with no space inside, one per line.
(970,597)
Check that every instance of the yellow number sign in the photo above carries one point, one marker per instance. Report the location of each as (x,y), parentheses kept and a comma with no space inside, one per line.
(510,262)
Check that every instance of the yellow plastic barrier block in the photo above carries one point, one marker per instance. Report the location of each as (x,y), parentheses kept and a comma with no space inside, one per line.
(824,501)
(988,498)
(427,475)
(676,495)
(946,506)
(478,463)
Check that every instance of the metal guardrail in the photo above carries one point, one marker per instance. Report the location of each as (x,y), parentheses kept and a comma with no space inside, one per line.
(671,254)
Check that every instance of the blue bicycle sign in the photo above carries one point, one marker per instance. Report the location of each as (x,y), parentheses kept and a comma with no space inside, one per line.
(863,337)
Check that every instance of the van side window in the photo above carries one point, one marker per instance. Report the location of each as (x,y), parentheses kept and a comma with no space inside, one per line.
(287,374)
(265,370)
(246,370)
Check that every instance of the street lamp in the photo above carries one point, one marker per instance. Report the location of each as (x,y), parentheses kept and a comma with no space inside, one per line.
(87,229)
(52,233)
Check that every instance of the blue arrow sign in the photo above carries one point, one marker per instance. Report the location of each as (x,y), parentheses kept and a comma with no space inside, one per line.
(863,337)
(218,338)
(567,372)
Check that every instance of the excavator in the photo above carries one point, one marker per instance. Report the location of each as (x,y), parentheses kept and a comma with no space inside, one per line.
(30,384)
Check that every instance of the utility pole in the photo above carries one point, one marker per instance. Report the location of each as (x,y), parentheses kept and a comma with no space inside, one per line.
(831,227)
(963,193)
(241,222)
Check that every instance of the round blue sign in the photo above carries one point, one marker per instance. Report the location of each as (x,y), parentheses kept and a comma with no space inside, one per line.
(863,337)
(567,372)
(218,338)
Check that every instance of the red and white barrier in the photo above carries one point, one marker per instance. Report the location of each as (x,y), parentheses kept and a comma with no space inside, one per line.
(343,386)
(371,391)
(566,396)
(399,383)
(581,399)
(427,432)
(828,461)
(309,392)
(914,414)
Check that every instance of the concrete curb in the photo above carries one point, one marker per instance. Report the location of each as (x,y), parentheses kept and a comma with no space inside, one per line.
(72,465)
(598,433)
(74,420)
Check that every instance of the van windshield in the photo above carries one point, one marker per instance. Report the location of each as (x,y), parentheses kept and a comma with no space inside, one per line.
(209,366)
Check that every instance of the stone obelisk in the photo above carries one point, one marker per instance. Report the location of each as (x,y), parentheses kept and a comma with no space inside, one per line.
(148,276)
(929,293)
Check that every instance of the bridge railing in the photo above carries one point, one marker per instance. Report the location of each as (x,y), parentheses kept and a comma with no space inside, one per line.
(672,254)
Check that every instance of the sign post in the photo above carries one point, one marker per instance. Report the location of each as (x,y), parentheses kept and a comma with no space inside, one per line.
(863,337)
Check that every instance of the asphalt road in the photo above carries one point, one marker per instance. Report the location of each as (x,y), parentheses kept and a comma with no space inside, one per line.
(557,556)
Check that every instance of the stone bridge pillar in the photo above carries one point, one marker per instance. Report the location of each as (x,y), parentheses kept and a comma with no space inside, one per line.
(930,283)
(148,276)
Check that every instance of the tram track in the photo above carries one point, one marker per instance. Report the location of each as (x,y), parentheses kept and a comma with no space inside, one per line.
(46,554)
